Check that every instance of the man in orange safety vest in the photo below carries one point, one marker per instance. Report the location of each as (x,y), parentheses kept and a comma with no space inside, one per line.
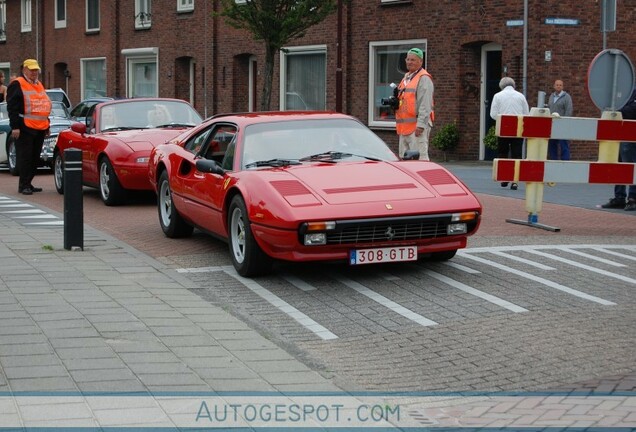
(414,116)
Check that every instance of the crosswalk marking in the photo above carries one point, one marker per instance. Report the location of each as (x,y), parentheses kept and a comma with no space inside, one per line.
(482,295)
(399,309)
(522,260)
(541,280)
(281,304)
(501,258)
(583,266)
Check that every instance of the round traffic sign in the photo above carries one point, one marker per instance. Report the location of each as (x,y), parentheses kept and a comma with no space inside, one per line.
(610,80)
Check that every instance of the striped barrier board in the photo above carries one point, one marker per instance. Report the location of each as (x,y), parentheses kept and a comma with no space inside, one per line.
(515,170)
(567,128)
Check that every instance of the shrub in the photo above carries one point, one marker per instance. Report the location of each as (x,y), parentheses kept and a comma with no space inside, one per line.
(447,138)
(490,139)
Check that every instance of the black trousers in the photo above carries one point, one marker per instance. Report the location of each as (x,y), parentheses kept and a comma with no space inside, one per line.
(509,148)
(28,148)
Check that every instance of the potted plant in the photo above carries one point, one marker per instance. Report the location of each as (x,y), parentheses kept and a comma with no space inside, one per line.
(446,139)
(490,139)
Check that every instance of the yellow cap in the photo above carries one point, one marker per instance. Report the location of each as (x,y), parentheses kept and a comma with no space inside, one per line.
(31,64)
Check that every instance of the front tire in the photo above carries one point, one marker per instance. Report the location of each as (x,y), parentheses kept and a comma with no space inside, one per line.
(58,172)
(172,223)
(247,256)
(12,157)
(109,187)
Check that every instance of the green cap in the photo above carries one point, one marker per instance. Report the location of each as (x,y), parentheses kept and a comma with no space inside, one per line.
(418,52)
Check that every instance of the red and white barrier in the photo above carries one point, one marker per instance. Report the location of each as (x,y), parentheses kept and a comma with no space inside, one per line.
(538,128)
(514,170)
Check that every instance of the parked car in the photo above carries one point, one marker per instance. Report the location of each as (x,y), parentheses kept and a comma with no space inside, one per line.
(306,187)
(60,120)
(116,140)
(84,108)
(59,95)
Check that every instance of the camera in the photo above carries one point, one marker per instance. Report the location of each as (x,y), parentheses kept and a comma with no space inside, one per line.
(392,101)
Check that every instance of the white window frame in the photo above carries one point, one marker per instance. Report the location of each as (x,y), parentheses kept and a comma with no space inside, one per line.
(25,15)
(140,55)
(143,14)
(3,20)
(299,50)
(60,23)
(385,91)
(99,17)
(185,5)
(83,62)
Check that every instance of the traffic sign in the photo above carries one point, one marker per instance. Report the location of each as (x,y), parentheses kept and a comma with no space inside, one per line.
(610,80)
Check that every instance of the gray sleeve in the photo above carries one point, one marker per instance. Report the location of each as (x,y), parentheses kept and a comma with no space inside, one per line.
(424,101)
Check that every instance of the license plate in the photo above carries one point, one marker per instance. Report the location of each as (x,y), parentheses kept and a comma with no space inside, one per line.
(382,255)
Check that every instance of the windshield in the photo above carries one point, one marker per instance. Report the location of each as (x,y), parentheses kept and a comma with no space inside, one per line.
(300,139)
(144,114)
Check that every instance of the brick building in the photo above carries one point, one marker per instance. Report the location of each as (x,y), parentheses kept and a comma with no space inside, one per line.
(179,48)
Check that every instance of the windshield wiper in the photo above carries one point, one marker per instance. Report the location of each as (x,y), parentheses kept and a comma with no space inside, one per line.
(333,156)
(175,125)
(272,163)
(121,128)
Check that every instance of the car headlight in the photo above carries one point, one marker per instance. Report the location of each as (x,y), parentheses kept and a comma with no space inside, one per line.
(456,228)
(315,232)
(142,160)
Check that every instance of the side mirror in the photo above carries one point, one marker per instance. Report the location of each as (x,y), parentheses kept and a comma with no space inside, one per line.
(209,166)
(78,127)
(411,155)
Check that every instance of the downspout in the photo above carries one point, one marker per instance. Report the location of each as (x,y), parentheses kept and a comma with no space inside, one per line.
(525,47)
(339,61)
(117,54)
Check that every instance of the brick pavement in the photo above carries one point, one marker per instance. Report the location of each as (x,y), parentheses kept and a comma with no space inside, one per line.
(115,319)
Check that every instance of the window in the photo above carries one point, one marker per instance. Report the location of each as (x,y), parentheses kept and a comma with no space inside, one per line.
(303,78)
(26,15)
(93,77)
(141,72)
(92,15)
(3,21)
(387,65)
(143,14)
(185,5)
(60,13)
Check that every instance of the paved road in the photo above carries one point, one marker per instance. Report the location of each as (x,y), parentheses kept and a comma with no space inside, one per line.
(517,310)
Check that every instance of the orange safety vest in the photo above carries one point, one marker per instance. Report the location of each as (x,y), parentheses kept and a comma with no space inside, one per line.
(406,115)
(37,105)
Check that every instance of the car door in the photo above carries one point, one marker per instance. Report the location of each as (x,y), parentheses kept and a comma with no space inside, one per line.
(205,191)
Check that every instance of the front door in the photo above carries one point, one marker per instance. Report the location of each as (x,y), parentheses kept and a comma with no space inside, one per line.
(491,74)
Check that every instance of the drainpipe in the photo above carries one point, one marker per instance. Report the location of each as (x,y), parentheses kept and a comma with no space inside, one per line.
(525,47)
(339,61)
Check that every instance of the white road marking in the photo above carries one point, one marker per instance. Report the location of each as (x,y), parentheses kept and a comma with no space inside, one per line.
(51,223)
(541,280)
(461,267)
(522,260)
(31,210)
(17,204)
(395,307)
(583,266)
(200,269)
(297,282)
(618,254)
(37,216)
(482,295)
(590,256)
(282,305)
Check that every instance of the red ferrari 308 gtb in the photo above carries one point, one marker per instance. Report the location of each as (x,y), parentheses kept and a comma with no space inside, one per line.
(308,186)
(116,138)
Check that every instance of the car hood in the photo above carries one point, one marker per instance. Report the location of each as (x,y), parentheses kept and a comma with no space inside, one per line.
(143,139)
(347,183)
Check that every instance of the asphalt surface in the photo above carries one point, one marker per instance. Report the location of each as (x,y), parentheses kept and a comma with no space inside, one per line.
(521,309)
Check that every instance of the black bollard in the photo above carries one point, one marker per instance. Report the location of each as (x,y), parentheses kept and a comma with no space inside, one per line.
(73,200)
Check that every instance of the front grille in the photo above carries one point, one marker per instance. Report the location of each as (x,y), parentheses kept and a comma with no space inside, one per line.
(389,230)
